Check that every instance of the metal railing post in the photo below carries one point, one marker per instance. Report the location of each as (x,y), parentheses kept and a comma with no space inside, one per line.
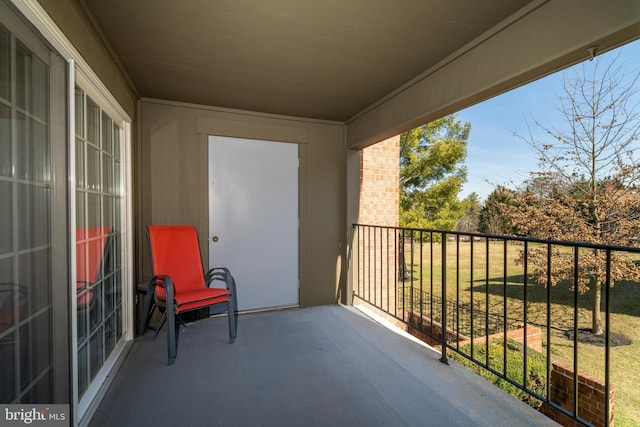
(443,242)
(607,344)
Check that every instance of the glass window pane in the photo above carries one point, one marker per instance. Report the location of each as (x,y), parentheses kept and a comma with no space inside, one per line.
(35,278)
(83,371)
(119,321)
(32,143)
(107,133)
(5,63)
(107,210)
(110,334)
(6,219)
(80,116)
(116,141)
(85,299)
(23,75)
(107,174)
(117,252)
(13,305)
(96,352)
(6,161)
(117,218)
(40,164)
(33,216)
(93,123)
(93,169)
(117,176)
(7,368)
(81,180)
(39,91)
(23,146)
(35,349)
(109,295)
(81,217)
(94,210)
(40,391)
(117,287)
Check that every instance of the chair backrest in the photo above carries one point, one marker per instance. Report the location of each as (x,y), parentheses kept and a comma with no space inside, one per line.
(93,252)
(175,251)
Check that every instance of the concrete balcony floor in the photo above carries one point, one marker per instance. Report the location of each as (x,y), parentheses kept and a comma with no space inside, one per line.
(319,366)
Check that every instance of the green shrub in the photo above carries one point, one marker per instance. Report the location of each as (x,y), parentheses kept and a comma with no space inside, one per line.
(536,368)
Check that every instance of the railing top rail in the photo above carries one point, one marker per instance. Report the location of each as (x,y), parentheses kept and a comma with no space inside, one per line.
(588,245)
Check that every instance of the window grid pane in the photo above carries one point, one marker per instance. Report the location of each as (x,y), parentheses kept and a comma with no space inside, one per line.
(25,225)
(98,231)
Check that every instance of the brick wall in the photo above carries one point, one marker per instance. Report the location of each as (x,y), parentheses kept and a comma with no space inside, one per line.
(591,397)
(380,183)
(534,333)
(379,205)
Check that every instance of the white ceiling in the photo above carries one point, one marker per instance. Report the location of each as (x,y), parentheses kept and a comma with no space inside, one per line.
(322,59)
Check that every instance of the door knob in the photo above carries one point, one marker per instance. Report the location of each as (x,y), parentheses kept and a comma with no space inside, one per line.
(215,239)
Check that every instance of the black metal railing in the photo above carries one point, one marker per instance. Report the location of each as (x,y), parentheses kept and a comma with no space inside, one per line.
(468,291)
(458,313)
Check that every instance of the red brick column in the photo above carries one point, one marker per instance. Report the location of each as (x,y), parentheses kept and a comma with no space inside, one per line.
(380,183)
(379,205)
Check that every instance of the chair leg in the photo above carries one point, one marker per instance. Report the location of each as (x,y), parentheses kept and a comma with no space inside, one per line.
(163,321)
(233,321)
(172,338)
(181,321)
(144,318)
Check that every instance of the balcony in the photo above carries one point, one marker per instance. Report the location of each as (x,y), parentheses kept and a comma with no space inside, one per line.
(364,365)
(326,366)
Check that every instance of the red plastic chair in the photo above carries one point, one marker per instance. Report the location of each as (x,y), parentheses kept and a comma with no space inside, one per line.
(92,255)
(179,285)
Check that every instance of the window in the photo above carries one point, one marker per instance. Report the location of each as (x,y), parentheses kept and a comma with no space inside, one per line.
(26,272)
(65,239)
(99,266)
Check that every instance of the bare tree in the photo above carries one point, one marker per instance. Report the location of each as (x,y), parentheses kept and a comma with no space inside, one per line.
(591,169)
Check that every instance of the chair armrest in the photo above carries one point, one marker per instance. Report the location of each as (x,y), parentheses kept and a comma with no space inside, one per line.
(223,274)
(165,282)
(218,273)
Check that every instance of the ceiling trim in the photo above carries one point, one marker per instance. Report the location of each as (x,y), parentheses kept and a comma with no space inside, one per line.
(241,112)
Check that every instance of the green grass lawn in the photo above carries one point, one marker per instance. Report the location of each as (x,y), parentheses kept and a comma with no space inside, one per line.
(484,284)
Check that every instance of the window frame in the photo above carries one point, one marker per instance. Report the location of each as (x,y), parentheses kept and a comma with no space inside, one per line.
(80,74)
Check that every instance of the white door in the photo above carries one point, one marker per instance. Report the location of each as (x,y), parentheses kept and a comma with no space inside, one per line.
(253,218)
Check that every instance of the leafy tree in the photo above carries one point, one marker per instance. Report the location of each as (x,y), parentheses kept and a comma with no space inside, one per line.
(590,171)
(491,218)
(470,221)
(432,174)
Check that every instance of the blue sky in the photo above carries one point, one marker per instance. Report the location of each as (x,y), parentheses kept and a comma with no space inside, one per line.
(494,155)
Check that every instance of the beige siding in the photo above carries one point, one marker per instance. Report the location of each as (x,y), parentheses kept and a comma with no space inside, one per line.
(173,181)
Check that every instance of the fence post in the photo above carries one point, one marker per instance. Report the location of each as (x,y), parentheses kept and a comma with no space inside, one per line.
(443,242)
